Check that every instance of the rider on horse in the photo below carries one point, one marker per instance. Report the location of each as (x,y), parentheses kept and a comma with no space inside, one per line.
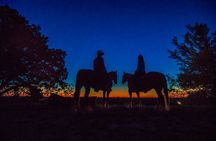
(99,69)
(140,72)
(140,65)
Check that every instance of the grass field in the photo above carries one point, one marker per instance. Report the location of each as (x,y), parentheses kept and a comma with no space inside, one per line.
(26,120)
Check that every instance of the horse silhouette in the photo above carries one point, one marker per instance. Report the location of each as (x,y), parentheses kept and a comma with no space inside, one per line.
(87,79)
(151,80)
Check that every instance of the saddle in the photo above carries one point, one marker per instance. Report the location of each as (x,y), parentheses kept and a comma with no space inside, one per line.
(100,79)
(140,81)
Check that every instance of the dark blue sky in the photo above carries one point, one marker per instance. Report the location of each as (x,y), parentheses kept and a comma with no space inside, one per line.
(121,28)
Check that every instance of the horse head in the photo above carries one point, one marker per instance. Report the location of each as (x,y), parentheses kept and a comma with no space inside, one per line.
(113,76)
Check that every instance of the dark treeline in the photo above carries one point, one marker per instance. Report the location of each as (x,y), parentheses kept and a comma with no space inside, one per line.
(26,62)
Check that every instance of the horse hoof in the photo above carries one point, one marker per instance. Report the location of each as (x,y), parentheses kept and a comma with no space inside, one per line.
(75,109)
(167,108)
(129,106)
(90,109)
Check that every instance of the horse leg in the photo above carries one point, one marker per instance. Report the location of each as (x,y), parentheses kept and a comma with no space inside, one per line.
(108,92)
(130,94)
(77,96)
(139,101)
(87,91)
(104,99)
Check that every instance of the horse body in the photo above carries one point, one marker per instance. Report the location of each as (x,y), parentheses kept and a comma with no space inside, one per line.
(151,80)
(86,79)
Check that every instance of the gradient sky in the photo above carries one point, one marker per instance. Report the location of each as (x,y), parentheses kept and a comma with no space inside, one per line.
(121,28)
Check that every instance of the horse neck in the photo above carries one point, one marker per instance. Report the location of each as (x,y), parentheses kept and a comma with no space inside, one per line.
(111,76)
(130,79)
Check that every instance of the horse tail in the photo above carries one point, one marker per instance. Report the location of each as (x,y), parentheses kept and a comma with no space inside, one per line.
(77,89)
(166,94)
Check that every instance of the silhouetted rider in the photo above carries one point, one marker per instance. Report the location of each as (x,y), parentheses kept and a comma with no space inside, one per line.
(140,72)
(99,63)
(99,69)
(140,65)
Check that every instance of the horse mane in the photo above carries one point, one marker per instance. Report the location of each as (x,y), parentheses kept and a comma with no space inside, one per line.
(111,72)
(129,74)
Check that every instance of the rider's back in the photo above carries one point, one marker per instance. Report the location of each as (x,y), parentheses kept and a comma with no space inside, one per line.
(99,65)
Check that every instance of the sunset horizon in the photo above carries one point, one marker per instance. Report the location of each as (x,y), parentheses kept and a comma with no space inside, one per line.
(107,70)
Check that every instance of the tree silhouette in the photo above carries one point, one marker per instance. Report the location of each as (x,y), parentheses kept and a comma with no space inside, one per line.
(25,59)
(196,57)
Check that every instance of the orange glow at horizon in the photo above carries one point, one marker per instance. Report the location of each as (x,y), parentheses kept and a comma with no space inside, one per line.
(123,93)
(119,92)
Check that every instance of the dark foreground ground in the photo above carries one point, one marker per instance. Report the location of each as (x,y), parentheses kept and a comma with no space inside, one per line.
(25,120)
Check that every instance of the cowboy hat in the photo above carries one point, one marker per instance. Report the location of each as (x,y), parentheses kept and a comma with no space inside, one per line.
(99,52)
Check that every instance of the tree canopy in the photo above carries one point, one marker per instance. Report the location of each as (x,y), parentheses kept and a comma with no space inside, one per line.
(25,59)
(196,56)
